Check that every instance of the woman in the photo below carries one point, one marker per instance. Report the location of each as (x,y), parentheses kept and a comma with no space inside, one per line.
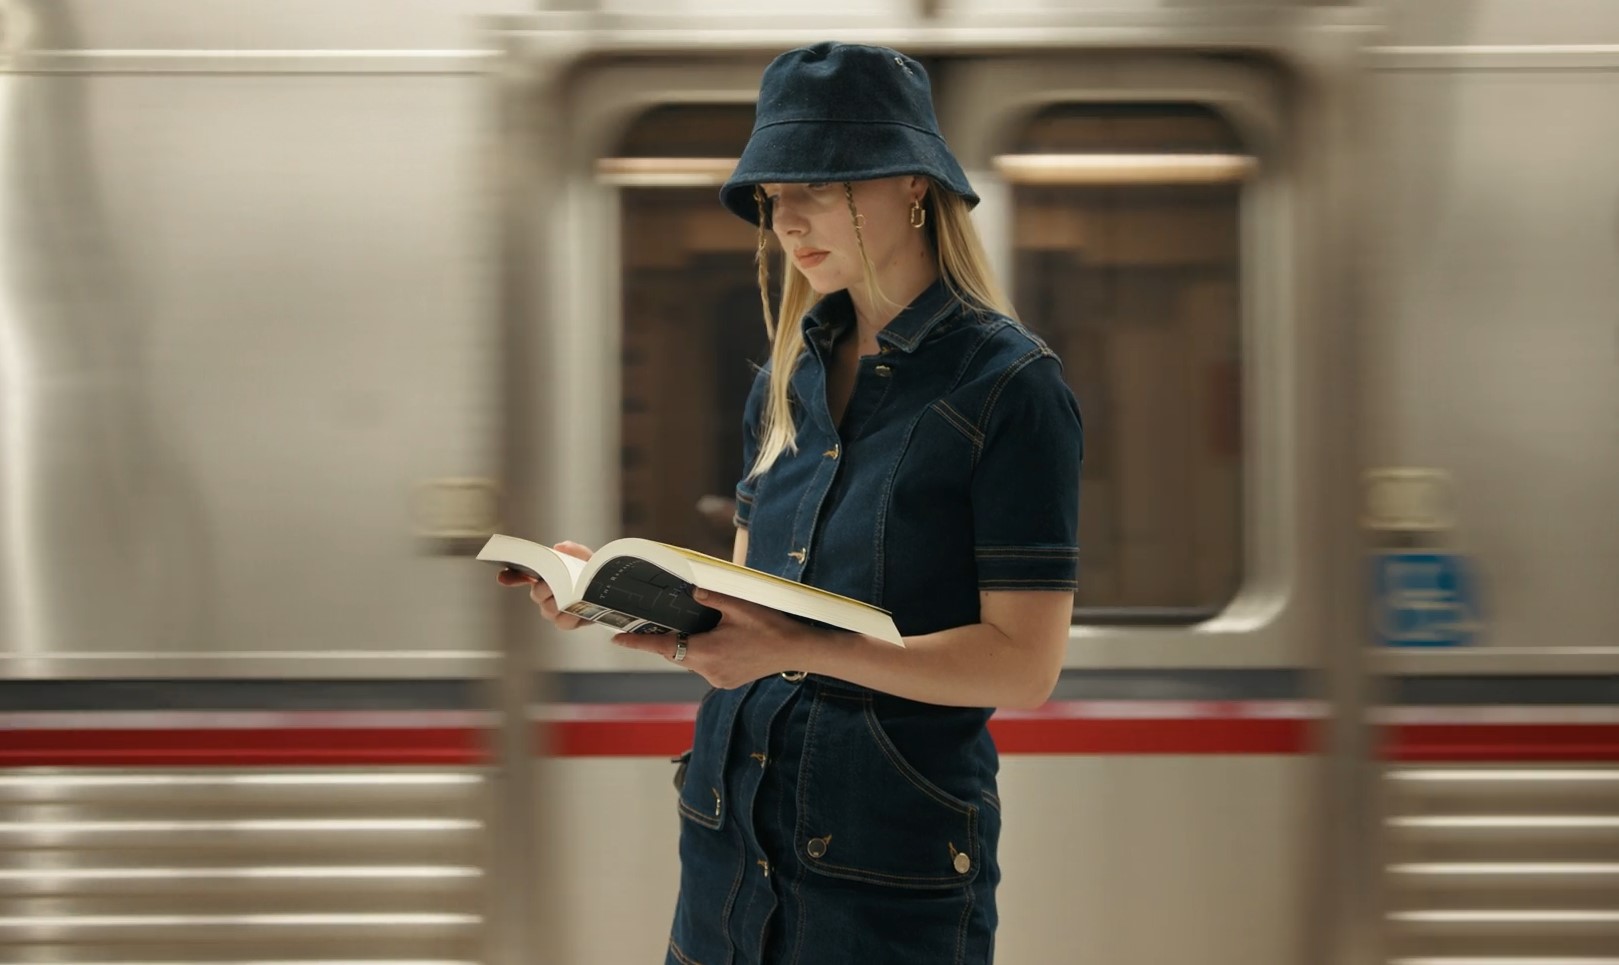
(911,445)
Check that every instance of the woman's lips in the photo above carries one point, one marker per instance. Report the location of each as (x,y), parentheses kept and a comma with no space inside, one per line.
(810,257)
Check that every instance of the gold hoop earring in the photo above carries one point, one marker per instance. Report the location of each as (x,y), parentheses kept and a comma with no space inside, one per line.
(919,214)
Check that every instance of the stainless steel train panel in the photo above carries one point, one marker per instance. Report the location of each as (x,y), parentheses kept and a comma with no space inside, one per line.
(1105,860)
(248,311)
(1475,27)
(1494,860)
(1491,339)
(192,865)
(93,28)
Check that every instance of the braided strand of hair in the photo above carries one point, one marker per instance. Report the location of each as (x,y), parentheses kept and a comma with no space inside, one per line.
(762,257)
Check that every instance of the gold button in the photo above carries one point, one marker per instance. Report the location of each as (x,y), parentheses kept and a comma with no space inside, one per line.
(963,863)
(831,453)
(793,676)
(799,555)
(817,846)
(765,865)
(884,371)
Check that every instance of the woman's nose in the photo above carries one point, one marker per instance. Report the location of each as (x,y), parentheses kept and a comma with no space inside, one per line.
(785,220)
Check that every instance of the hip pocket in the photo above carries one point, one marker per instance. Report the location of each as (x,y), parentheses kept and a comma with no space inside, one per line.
(865,814)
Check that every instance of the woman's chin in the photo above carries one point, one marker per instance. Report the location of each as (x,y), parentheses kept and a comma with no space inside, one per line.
(824,283)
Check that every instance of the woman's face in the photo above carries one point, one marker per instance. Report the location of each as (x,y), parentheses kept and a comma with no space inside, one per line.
(816,229)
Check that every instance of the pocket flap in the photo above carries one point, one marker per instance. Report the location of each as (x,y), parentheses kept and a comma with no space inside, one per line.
(701,775)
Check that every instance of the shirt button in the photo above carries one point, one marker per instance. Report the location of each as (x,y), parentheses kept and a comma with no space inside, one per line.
(963,864)
(764,866)
(831,453)
(799,555)
(816,847)
(884,371)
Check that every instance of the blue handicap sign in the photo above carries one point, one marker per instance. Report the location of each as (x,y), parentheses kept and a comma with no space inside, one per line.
(1424,599)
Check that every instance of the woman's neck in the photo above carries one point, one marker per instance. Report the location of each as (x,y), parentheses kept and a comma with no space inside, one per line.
(906,277)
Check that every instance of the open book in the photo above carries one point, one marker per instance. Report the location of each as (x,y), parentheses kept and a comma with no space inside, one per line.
(640,586)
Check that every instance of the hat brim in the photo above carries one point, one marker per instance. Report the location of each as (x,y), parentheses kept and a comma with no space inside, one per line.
(803,152)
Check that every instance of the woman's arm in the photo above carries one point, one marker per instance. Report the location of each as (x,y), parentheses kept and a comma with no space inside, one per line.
(1010,659)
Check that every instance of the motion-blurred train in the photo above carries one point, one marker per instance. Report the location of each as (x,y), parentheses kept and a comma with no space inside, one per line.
(299,301)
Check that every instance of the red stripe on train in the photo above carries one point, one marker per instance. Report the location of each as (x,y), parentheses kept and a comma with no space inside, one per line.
(225,747)
(229,747)
(1439,743)
(462,746)
(1093,727)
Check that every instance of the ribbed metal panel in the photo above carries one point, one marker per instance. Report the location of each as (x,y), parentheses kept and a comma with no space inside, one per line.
(237,867)
(1503,865)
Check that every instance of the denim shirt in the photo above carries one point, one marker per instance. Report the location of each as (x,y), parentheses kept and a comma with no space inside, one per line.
(955,471)
(956,468)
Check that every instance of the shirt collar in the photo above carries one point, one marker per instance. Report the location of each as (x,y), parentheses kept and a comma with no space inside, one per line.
(908,330)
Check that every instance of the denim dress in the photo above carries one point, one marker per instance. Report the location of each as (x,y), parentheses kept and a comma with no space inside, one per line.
(824,823)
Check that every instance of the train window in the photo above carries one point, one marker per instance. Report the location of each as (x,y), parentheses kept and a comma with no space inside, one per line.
(1126,246)
(692,329)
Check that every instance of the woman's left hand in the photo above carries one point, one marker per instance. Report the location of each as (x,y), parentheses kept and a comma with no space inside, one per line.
(750,642)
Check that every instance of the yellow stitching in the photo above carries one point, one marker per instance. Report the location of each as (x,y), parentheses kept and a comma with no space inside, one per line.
(905,770)
(960,421)
(680,953)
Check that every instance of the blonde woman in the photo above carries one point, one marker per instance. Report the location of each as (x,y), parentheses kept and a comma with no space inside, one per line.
(911,445)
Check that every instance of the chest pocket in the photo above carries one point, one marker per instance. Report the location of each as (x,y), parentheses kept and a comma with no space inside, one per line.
(701,777)
(867,815)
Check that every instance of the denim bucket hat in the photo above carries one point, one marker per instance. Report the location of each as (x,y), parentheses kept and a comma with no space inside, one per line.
(841,112)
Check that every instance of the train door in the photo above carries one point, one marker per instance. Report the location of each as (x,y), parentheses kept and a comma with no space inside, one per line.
(1160,218)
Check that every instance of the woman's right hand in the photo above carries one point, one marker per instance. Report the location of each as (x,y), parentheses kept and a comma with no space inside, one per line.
(541,594)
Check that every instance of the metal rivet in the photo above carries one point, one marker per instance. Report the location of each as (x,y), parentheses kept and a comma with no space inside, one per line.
(799,555)
(817,846)
(884,371)
(717,802)
(831,453)
(963,863)
(765,865)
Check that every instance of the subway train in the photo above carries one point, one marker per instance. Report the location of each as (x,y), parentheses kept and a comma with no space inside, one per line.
(300,301)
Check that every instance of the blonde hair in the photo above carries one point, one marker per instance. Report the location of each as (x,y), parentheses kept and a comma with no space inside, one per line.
(963,265)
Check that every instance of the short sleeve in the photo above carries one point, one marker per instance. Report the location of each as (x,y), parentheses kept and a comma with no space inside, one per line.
(1025,488)
(752,420)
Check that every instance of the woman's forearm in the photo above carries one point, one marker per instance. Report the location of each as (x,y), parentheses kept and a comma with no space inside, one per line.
(977,665)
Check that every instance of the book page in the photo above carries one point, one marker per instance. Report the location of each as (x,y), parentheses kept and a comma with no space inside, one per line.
(575,567)
(811,603)
(557,570)
(634,586)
